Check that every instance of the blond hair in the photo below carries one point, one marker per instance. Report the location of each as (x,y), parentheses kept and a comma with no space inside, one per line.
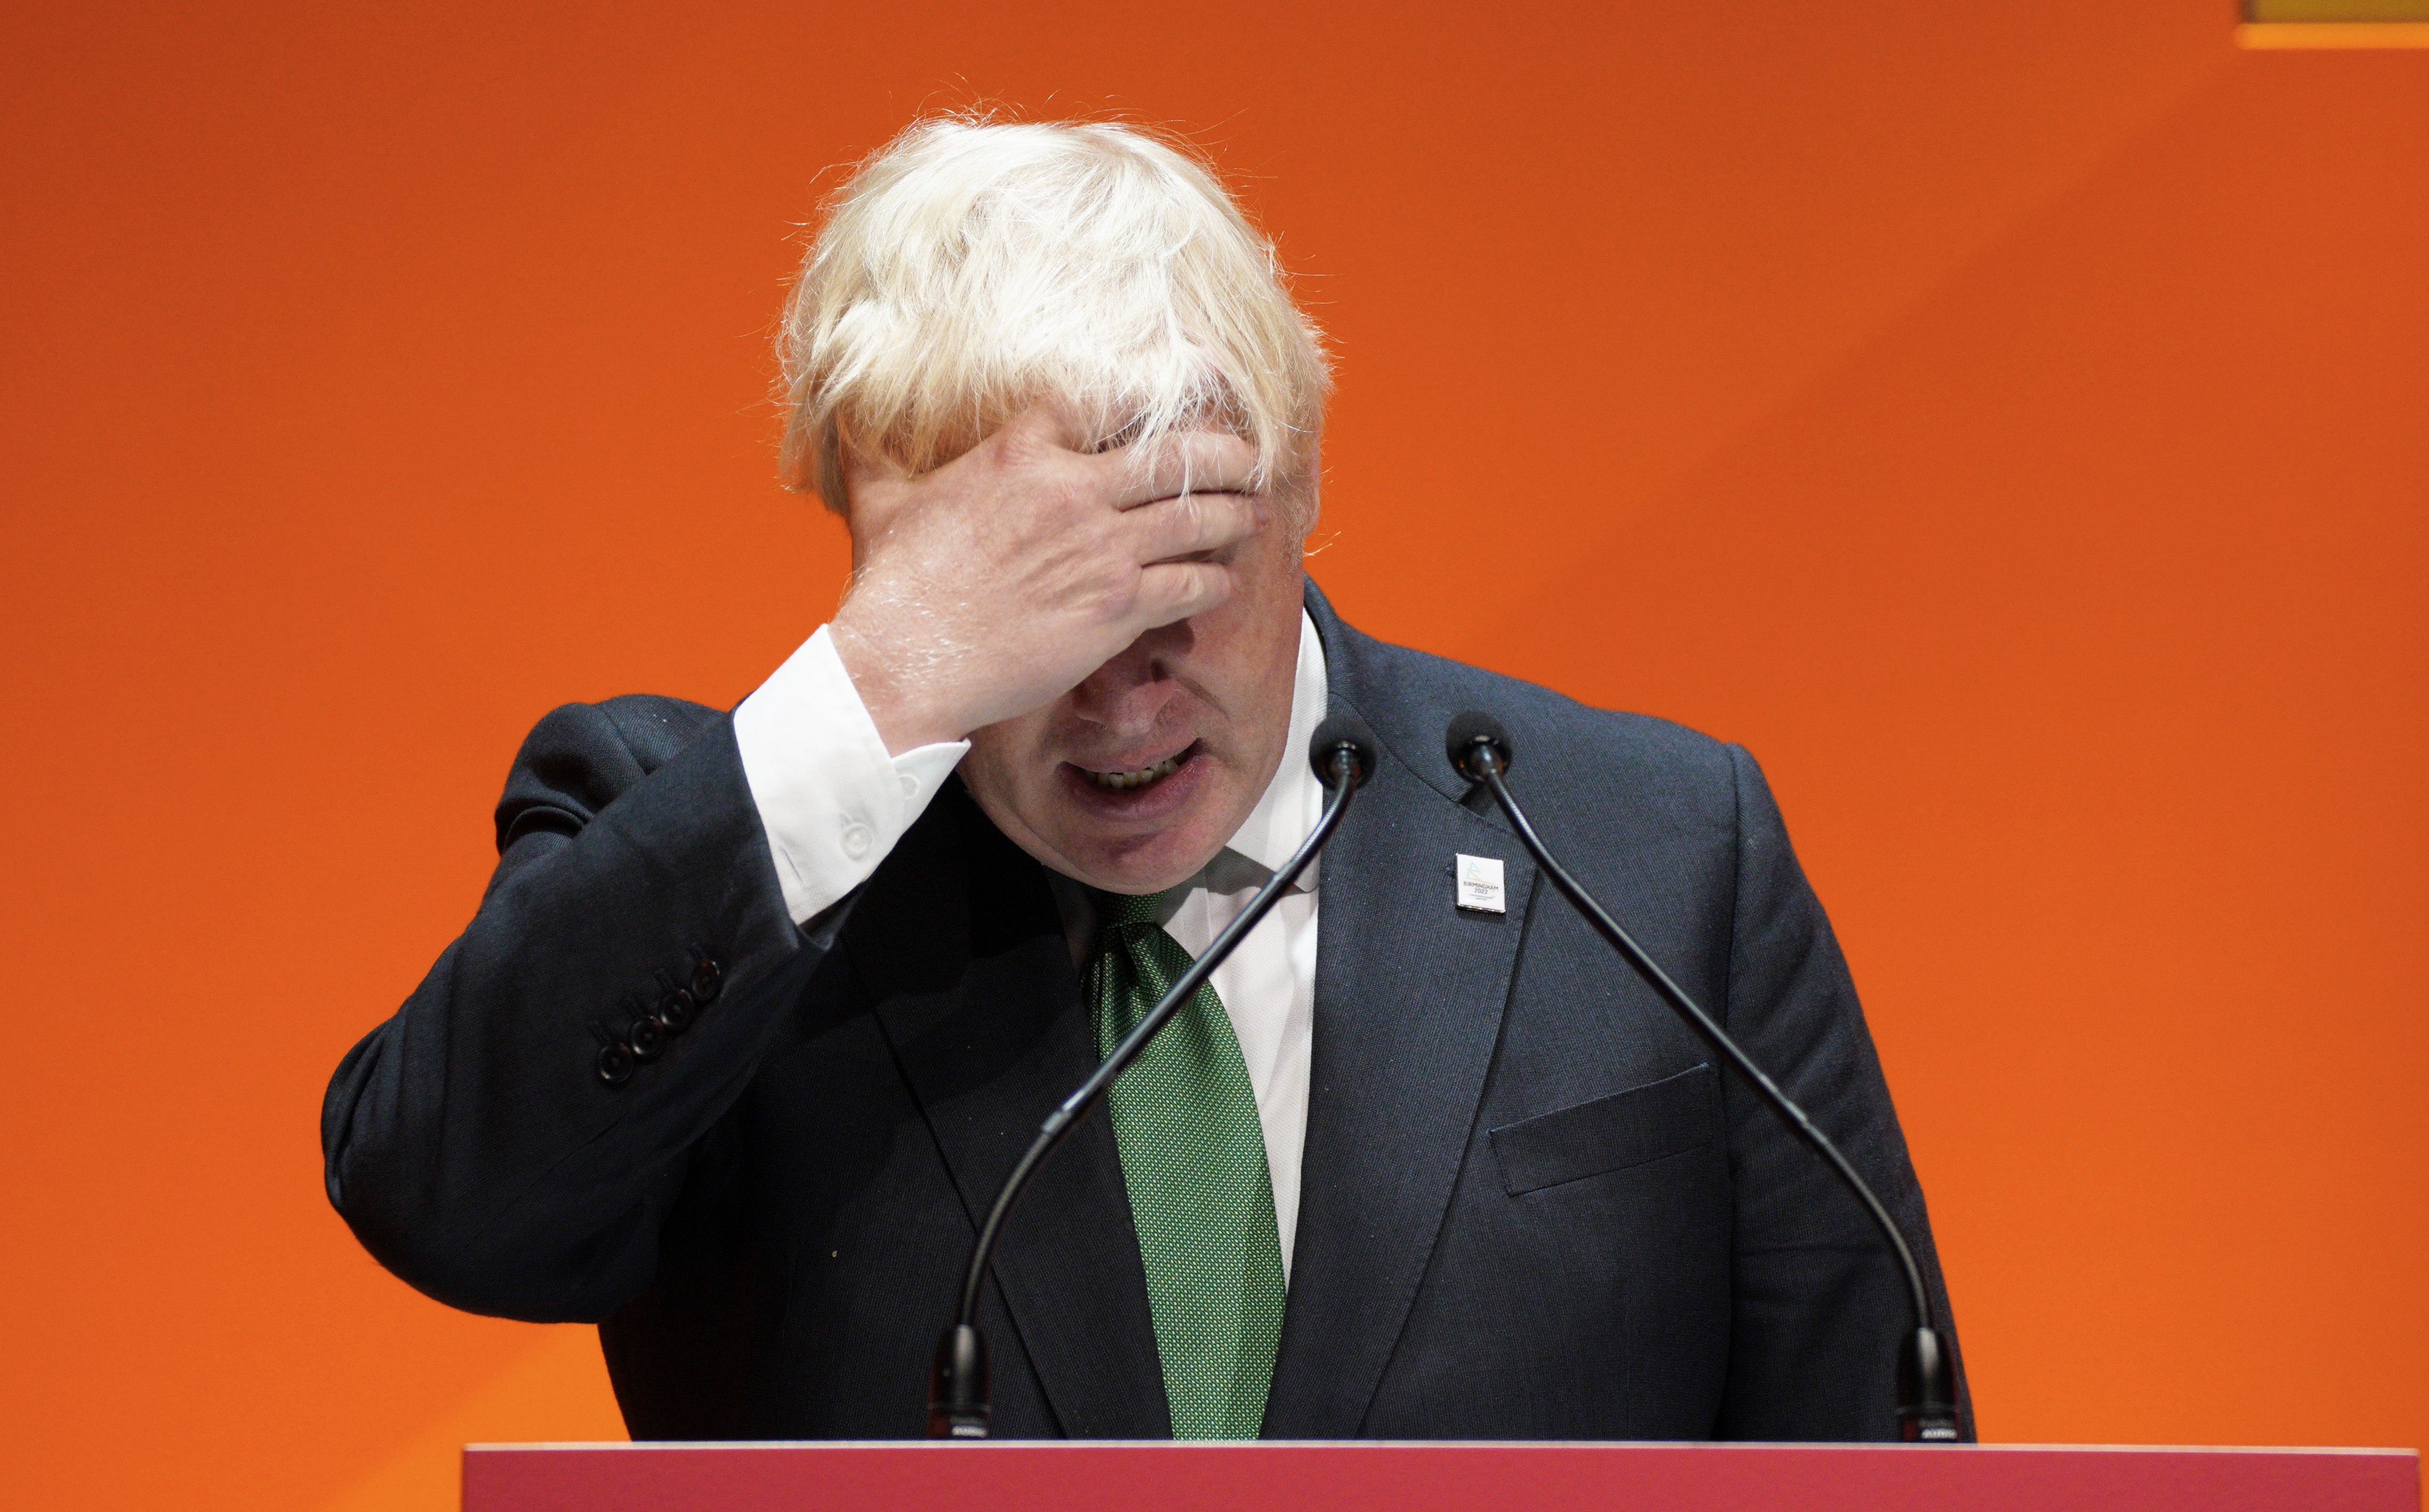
(970,269)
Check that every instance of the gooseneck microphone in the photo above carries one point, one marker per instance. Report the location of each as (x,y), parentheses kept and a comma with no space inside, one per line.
(1480,750)
(959,1392)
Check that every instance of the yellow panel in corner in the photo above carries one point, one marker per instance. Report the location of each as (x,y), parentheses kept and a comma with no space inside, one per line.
(2336,11)
(2333,34)
(2333,23)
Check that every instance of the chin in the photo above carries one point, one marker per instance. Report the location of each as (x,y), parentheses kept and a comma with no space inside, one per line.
(1138,863)
(1141,837)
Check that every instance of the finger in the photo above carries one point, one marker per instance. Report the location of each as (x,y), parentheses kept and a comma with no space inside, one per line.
(1192,524)
(1189,462)
(1170,591)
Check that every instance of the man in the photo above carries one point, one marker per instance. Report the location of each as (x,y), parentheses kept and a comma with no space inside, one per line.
(759,1010)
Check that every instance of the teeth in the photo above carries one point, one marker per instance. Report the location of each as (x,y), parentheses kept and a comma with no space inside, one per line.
(1140,777)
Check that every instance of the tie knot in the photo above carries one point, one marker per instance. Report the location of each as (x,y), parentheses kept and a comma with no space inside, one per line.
(1119,911)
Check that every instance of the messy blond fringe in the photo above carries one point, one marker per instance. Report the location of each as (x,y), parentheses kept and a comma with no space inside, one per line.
(971,269)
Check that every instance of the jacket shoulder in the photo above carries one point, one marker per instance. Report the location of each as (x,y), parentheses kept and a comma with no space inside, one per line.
(1557,745)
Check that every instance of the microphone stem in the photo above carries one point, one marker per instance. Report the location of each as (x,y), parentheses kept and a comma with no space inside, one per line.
(960,1362)
(1489,761)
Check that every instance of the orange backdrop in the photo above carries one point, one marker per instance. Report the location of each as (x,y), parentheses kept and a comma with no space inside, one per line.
(2006,418)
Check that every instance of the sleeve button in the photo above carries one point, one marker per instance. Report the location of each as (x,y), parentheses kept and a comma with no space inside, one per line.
(676,1011)
(707,979)
(644,1039)
(614,1064)
(856,840)
(910,785)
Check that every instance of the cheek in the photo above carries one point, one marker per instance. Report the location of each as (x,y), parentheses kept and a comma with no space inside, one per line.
(989,764)
(1265,623)
(1268,583)
(992,780)
(1277,582)
(1005,760)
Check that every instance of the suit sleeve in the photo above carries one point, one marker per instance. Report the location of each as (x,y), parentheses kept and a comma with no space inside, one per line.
(1820,1302)
(477,1142)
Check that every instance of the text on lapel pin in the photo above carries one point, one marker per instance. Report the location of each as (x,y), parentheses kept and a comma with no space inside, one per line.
(1480,884)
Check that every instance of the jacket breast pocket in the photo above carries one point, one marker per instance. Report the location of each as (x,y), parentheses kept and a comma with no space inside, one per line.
(1626,1128)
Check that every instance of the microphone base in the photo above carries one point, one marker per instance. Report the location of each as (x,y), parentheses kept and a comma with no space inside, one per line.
(959,1393)
(967,1427)
(1926,1401)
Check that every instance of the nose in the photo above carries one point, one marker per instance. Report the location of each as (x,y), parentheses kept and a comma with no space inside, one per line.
(1127,696)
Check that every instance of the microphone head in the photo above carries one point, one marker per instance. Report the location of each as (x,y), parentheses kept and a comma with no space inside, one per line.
(1467,734)
(1339,730)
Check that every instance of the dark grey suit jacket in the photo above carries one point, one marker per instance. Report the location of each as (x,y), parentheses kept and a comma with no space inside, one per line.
(1531,1207)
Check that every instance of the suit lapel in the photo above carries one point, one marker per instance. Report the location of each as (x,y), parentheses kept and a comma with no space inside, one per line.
(964,954)
(1409,994)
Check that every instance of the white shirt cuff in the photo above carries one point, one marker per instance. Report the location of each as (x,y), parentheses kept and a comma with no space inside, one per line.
(832,799)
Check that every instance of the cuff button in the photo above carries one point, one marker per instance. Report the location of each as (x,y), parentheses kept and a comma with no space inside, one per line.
(614,1064)
(856,841)
(644,1040)
(707,979)
(675,1011)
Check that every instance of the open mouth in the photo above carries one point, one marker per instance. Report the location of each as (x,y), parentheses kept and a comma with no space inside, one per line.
(1125,779)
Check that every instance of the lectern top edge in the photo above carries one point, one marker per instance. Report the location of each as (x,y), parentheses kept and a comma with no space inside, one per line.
(1402,1445)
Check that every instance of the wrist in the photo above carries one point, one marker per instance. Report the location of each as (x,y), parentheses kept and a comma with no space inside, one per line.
(897,691)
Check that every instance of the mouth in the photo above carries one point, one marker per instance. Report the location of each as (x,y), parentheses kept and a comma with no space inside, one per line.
(1123,780)
(1132,804)
(1133,778)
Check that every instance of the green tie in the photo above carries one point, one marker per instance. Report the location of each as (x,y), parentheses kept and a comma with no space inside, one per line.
(1194,1155)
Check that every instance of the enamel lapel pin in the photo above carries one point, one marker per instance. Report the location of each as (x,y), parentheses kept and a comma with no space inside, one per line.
(1480,884)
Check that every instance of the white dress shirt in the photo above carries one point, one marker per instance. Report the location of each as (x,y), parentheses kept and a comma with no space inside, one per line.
(834,803)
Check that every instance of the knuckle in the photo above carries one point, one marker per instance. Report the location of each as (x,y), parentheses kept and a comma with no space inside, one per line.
(1064,495)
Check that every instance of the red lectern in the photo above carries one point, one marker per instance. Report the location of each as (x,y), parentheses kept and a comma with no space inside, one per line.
(1051,1477)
